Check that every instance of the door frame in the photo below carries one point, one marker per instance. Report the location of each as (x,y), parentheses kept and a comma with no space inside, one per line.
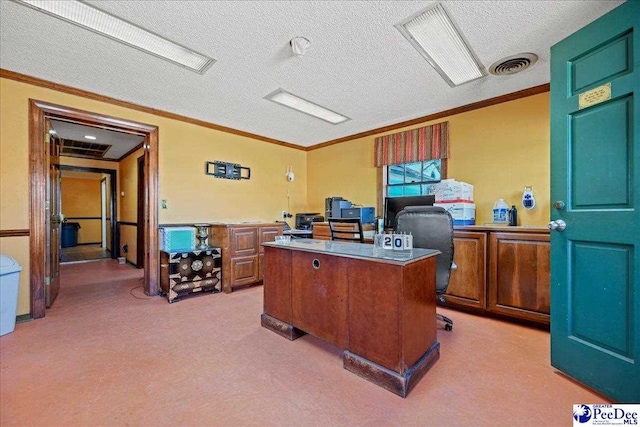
(39,112)
(112,208)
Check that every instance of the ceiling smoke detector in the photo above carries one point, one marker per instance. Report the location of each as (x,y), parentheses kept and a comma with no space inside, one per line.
(299,45)
(513,64)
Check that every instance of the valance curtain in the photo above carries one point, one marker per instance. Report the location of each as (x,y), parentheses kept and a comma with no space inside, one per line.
(425,143)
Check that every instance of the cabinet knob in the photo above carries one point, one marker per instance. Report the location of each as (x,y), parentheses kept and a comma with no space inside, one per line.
(316,264)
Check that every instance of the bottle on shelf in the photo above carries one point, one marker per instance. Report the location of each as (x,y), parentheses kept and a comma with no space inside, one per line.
(500,209)
(513,216)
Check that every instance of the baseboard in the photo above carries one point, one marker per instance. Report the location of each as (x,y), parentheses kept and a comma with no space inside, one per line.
(24,318)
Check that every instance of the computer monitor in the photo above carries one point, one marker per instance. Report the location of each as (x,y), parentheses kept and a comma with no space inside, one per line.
(393,205)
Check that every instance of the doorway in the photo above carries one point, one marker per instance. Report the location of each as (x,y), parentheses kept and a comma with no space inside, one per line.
(94,190)
(39,114)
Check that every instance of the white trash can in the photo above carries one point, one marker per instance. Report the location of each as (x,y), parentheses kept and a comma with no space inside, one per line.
(9,283)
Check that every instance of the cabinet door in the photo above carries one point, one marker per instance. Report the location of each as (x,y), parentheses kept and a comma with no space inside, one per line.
(268,234)
(244,270)
(468,281)
(244,241)
(519,275)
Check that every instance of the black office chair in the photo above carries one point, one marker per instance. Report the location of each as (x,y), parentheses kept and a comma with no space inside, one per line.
(431,228)
(349,229)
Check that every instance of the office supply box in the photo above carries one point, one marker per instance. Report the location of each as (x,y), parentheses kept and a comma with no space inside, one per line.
(174,239)
(462,213)
(366,214)
(450,190)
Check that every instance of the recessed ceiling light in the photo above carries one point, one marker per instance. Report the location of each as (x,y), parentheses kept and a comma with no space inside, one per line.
(91,137)
(287,99)
(103,23)
(433,34)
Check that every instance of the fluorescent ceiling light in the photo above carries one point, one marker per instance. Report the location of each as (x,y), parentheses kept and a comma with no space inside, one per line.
(91,137)
(287,99)
(438,41)
(118,29)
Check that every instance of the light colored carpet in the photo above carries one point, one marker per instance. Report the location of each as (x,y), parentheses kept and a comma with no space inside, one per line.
(105,354)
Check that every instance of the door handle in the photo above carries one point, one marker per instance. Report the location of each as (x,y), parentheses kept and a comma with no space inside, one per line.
(558,225)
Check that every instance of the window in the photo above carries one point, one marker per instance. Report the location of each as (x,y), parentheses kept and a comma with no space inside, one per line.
(414,179)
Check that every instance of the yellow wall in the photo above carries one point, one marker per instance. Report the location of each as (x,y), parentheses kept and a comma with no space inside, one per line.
(129,204)
(83,198)
(498,149)
(191,195)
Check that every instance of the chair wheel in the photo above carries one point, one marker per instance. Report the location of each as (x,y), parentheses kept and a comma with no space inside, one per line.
(448,327)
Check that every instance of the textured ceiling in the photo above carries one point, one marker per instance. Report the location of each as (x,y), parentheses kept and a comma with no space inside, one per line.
(358,64)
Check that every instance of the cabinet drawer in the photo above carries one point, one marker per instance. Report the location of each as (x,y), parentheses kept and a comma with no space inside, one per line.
(244,241)
(244,270)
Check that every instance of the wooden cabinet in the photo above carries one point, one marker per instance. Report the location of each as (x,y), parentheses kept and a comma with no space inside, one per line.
(501,270)
(242,252)
(468,282)
(183,273)
(519,275)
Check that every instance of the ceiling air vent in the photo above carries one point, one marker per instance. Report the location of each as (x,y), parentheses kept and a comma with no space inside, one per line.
(513,64)
(83,149)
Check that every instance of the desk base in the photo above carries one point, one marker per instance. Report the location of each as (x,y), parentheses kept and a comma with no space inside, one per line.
(399,384)
(281,328)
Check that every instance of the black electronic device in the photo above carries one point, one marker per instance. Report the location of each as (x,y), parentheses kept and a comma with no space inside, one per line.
(304,221)
(393,205)
(333,206)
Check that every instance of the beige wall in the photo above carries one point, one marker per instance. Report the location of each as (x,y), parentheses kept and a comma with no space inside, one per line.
(498,149)
(191,195)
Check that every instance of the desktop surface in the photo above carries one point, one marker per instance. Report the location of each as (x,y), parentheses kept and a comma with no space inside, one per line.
(355,250)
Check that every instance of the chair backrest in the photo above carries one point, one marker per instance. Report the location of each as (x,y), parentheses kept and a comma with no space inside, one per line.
(431,228)
(349,229)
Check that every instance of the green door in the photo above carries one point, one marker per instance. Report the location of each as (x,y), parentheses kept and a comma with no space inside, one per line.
(595,191)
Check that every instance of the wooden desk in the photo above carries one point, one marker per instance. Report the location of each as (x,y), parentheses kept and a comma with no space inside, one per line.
(380,309)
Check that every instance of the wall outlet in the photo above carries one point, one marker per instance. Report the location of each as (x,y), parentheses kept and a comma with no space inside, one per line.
(164,203)
(284,214)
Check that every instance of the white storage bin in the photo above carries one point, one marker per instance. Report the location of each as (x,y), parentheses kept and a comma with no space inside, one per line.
(9,283)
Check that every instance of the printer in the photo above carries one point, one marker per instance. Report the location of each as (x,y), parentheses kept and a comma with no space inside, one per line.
(304,221)
(367,215)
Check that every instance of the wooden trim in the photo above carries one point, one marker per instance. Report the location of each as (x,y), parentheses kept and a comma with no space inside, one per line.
(15,233)
(447,113)
(133,224)
(140,214)
(151,258)
(37,196)
(39,111)
(23,78)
